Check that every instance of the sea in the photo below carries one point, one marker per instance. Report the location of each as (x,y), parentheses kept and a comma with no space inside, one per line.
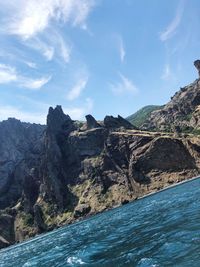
(162,229)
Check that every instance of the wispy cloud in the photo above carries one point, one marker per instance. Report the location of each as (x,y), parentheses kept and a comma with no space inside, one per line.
(47,50)
(50,45)
(34,16)
(167,73)
(34,84)
(122,51)
(171,29)
(31,64)
(62,46)
(9,74)
(18,56)
(65,50)
(77,88)
(125,85)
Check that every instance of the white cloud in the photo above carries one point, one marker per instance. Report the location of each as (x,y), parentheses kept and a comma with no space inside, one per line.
(7,74)
(79,113)
(65,50)
(31,64)
(122,51)
(124,86)
(49,53)
(14,112)
(34,84)
(167,74)
(45,49)
(34,16)
(171,29)
(51,45)
(77,89)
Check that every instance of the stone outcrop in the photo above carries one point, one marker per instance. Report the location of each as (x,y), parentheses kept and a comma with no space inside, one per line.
(91,122)
(81,210)
(39,219)
(197,65)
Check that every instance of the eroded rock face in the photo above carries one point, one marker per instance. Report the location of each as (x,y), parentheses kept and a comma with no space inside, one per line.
(182,111)
(20,149)
(60,173)
(56,158)
(163,154)
(179,112)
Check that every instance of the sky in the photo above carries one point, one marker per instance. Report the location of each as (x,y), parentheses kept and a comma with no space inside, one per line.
(99,57)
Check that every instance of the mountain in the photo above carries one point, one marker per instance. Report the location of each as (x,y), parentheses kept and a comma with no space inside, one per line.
(56,174)
(142,115)
(53,175)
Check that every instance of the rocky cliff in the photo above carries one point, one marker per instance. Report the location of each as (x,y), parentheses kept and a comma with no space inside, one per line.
(55,174)
(181,113)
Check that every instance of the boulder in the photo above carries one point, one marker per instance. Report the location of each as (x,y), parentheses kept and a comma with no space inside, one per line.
(81,210)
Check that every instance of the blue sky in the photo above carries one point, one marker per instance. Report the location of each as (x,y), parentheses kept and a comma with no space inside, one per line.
(94,56)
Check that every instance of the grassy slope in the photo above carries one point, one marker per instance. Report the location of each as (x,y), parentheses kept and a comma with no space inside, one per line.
(139,117)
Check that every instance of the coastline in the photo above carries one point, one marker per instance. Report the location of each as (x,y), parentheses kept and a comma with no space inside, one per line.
(77,221)
(170,186)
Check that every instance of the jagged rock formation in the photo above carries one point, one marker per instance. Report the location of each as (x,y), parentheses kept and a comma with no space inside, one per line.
(182,111)
(91,122)
(197,65)
(55,174)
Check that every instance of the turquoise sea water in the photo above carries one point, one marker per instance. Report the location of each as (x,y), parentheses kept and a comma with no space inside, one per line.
(160,230)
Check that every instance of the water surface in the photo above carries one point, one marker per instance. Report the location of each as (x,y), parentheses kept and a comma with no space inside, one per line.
(160,230)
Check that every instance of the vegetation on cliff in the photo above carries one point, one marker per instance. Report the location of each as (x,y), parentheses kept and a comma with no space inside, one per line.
(142,115)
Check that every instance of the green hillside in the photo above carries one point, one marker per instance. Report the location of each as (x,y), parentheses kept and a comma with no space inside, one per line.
(139,117)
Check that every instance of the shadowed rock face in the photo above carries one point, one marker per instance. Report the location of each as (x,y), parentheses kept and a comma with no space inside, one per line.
(7,235)
(111,122)
(52,175)
(20,148)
